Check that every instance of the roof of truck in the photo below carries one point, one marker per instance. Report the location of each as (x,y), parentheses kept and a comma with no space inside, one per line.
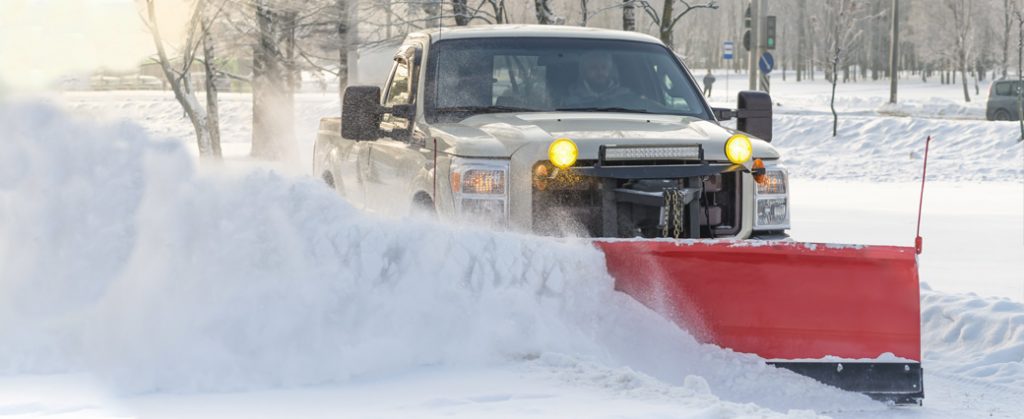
(519,31)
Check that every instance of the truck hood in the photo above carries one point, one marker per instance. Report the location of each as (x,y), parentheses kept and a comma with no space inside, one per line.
(501,135)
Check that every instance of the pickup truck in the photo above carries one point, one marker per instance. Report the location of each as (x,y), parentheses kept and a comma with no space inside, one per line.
(559,131)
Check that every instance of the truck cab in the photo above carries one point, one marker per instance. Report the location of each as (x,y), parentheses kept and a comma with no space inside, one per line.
(556,131)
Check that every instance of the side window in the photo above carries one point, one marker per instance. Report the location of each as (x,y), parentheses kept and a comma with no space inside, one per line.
(399,92)
(1002,89)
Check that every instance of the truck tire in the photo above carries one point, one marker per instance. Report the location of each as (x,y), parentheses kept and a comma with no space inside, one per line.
(1001,115)
(422,205)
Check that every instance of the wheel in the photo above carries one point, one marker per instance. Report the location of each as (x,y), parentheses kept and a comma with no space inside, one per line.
(328,179)
(423,206)
(1001,115)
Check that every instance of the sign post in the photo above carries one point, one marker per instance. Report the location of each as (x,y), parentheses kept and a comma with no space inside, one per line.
(766,64)
(727,50)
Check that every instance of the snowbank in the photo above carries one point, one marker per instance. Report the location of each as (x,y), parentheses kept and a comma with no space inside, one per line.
(887,149)
(121,259)
(974,338)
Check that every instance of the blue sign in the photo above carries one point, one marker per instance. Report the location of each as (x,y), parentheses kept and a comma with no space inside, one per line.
(766,63)
(727,48)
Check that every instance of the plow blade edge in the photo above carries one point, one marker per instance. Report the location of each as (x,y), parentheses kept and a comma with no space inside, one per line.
(816,309)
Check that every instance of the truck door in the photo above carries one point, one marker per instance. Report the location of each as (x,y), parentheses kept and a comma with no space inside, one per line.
(401,153)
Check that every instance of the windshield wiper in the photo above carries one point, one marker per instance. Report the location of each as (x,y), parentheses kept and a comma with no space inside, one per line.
(603,109)
(483,109)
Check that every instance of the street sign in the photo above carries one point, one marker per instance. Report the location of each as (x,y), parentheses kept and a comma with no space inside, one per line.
(727,48)
(766,63)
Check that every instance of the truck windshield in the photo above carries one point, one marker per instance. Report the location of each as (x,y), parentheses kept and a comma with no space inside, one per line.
(473,76)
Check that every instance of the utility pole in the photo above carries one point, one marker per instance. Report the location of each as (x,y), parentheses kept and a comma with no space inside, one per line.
(755,42)
(894,43)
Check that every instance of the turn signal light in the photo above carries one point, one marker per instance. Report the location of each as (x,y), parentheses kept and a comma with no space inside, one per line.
(759,172)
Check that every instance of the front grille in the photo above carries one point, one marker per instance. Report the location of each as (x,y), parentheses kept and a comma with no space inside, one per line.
(571,205)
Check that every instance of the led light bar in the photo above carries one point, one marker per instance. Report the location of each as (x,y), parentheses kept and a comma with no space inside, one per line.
(633,153)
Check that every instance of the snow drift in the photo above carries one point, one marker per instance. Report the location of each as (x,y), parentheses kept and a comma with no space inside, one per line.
(886,149)
(118,257)
(975,338)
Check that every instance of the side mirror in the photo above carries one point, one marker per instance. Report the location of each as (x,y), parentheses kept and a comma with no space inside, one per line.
(360,113)
(754,114)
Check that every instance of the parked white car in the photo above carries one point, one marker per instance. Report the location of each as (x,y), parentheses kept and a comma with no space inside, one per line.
(557,131)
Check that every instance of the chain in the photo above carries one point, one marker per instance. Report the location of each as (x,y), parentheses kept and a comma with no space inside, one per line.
(677,214)
(668,207)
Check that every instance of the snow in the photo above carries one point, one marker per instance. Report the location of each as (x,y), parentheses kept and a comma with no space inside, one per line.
(138,270)
(135,284)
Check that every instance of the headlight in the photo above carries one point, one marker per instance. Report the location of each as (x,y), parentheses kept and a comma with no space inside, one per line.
(772,200)
(738,149)
(480,189)
(563,153)
(480,181)
(773,182)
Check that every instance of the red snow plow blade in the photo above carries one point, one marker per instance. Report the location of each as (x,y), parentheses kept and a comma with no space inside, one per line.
(792,303)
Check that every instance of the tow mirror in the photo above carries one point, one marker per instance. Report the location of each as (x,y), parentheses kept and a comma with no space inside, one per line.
(361,113)
(753,114)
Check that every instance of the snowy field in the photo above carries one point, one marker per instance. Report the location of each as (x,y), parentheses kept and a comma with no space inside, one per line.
(135,284)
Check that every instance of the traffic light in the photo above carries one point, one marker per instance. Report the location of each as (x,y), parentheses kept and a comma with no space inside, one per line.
(746,24)
(770,32)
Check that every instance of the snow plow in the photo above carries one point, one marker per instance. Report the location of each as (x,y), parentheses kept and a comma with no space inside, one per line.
(848,316)
(604,134)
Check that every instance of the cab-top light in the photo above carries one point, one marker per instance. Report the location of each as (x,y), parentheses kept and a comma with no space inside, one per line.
(563,153)
(738,149)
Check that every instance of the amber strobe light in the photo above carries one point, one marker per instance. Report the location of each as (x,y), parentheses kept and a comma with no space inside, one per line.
(738,149)
(563,153)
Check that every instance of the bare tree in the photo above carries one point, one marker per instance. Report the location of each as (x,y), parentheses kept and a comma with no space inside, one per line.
(840,24)
(961,10)
(180,78)
(667,19)
(273,104)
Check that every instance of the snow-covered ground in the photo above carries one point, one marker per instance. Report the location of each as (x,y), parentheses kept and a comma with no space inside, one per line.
(133,284)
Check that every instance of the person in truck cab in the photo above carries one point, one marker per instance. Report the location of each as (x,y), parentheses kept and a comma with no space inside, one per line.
(597,82)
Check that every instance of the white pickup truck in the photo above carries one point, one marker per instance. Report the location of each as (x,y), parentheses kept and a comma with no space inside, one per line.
(555,131)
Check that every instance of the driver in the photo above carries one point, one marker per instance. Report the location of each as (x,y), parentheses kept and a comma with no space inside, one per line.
(596,81)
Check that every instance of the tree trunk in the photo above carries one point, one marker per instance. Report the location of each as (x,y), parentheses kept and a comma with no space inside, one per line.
(832,103)
(273,104)
(665,26)
(963,74)
(583,13)
(628,15)
(212,108)
(182,86)
(460,9)
(1020,73)
(544,14)
(894,45)
(1006,36)
(345,38)
(801,40)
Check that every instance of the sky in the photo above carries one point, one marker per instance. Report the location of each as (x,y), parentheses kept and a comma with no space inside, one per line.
(44,40)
